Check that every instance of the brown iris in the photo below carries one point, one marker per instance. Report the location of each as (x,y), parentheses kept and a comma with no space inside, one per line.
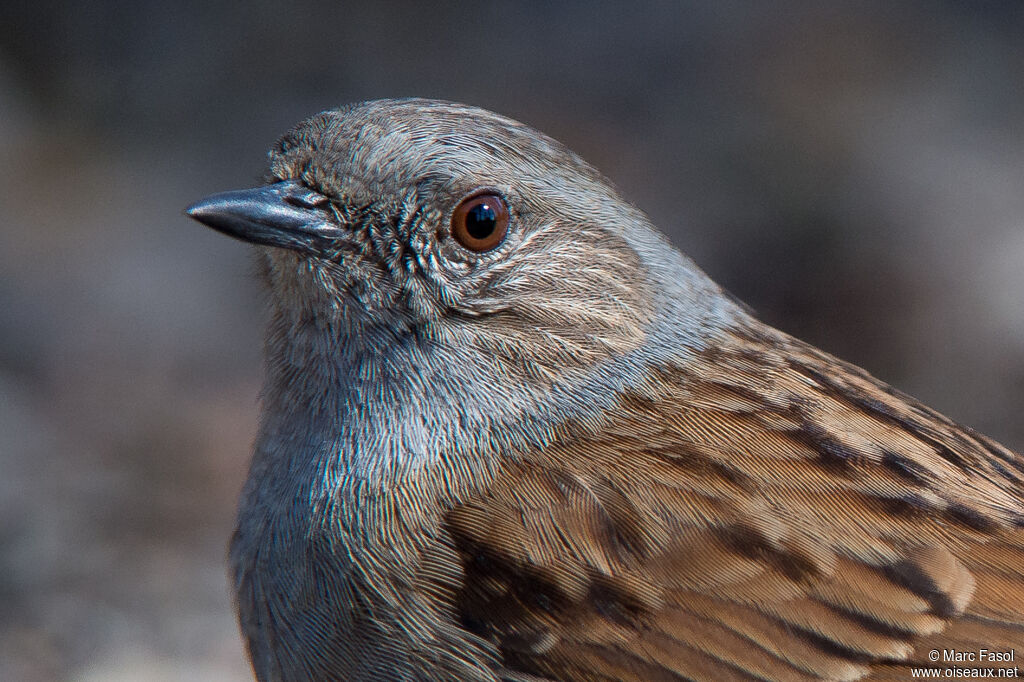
(480,222)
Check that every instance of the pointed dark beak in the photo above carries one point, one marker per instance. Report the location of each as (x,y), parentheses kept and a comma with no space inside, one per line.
(285,214)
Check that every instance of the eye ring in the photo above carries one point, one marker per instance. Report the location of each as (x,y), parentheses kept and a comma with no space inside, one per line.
(480,221)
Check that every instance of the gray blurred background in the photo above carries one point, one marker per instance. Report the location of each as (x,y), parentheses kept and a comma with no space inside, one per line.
(854,172)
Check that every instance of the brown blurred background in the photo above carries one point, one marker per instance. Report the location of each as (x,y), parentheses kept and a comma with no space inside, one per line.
(854,172)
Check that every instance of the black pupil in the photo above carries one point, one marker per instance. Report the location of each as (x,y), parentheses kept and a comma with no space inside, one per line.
(481,221)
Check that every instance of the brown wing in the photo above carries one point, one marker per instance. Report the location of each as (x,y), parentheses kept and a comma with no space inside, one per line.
(767,513)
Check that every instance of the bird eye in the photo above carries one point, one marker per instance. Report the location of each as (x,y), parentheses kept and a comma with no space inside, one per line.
(480,222)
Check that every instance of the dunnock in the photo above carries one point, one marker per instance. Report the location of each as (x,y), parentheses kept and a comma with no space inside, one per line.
(510,433)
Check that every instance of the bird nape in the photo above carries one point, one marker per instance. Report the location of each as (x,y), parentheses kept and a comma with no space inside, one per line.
(509,433)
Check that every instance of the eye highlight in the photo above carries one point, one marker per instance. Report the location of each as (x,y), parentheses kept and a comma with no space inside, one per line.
(480,222)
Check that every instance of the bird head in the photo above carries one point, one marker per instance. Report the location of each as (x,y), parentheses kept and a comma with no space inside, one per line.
(399,219)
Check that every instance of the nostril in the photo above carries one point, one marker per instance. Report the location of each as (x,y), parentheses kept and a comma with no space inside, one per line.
(309,199)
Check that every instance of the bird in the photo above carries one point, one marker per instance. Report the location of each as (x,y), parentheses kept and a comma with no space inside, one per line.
(508,432)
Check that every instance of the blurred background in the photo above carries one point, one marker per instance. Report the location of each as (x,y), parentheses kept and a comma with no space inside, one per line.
(853,171)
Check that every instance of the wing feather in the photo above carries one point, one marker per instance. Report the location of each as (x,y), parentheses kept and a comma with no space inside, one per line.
(766,513)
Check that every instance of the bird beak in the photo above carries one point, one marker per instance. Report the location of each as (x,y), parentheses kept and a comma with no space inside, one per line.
(285,214)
